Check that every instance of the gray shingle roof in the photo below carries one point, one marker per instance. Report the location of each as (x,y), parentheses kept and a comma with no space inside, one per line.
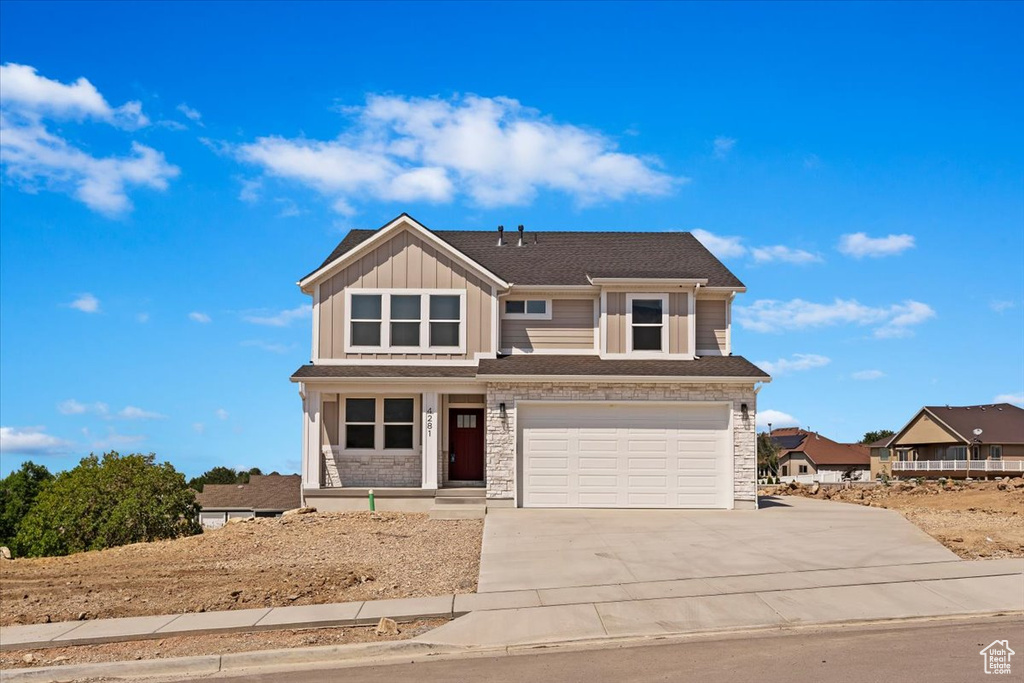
(1000,423)
(567,258)
(263,492)
(531,364)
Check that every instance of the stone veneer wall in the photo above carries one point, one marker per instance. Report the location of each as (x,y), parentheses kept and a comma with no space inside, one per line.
(399,471)
(501,435)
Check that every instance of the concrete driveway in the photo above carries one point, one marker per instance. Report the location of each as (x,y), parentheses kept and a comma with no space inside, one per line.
(535,548)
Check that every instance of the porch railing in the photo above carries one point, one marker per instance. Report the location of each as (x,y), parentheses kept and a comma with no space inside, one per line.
(958,466)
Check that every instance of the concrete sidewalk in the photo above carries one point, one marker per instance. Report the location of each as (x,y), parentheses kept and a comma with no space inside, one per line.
(631,608)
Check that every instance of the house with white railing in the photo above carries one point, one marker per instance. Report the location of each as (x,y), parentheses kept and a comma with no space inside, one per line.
(805,456)
(957,441)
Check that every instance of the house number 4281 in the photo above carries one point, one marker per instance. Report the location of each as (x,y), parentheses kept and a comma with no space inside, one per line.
(430,421)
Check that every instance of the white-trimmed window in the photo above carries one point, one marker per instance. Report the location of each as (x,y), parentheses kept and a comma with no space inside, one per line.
(957,452)
(527,309)
(380,423)
(405,321)
(647,324)
(995,452)
(803,469)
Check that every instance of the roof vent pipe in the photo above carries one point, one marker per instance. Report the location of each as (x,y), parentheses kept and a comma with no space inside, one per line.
(501,235)
(520,236)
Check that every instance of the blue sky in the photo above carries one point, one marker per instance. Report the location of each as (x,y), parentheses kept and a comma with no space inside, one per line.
(170,170)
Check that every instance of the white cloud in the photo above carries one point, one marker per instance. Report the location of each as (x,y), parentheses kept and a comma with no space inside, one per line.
(783,254)
(30,441)
(221,414)
(494,150)
(1017,399)
(74,407)
(114,440)
(34,157)
(272,347)
(199,427)
(895,320)
(799,361)
(1002,305)
(777,418)
(866,375)
(859,245)
(198,317)
(86,303)
(722,146)
(250,191)
(190,113)
(133,413)
(23,89)
(282,318)
(720,246)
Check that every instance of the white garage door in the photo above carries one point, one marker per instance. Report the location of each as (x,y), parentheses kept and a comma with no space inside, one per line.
(625,455)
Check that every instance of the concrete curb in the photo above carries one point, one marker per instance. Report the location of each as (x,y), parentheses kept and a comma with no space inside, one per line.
(381,653)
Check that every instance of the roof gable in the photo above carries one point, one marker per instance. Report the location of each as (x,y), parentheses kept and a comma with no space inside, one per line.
(821,450)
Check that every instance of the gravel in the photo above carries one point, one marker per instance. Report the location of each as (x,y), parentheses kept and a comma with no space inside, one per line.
(295,560)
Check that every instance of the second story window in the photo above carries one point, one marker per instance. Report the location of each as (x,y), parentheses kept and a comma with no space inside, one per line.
(648,325)
(530,309)
(406,321)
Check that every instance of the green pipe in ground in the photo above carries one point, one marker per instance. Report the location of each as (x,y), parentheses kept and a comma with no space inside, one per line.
(373,506)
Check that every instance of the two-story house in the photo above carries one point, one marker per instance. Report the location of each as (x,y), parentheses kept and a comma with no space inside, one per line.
(552,369)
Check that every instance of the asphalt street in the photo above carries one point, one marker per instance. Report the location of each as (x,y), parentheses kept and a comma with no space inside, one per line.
(936,652)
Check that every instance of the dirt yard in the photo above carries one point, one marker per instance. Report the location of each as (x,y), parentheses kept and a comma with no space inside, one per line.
(975,520)
(210,644)
(295,560)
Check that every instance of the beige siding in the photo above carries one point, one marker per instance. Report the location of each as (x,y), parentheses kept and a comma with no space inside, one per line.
(925,430)
(330,422)
(794,460)
(405,261)
(678,321)
(712,325)
(615,318)
(571,327)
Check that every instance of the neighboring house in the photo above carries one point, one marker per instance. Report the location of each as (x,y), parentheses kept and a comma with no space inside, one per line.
(547,369)
(266,495)
(809,456)
(960,441)
(881,458)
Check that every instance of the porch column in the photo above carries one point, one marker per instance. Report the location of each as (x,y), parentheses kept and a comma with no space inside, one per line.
(429,437)
(311,453)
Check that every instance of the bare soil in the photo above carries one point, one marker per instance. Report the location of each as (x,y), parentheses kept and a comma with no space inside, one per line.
(191,646)
(976,520)
(296,560)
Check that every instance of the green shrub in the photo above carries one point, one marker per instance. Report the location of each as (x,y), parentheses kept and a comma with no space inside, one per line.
(18,491)
(104,503)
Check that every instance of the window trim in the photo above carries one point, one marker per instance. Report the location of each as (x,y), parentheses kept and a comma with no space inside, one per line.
(385,332)
(546,315)
(995,451)
(801,469)
(378,426)
(630,297)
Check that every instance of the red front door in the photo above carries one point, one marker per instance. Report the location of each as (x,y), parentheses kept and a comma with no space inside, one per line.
(466,444)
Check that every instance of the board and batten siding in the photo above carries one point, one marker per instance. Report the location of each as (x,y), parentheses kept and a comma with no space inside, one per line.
(712,325)
(678,322)
(571,327)
(405,262)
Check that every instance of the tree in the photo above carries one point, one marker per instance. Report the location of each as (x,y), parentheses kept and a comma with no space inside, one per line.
(767,453)
(871,437)
(108,502)
(222,475)
(18,491)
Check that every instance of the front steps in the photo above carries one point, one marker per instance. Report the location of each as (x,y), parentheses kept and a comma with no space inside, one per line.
(461,503)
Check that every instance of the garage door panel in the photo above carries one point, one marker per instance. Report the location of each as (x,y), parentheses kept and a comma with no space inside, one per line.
(625,455)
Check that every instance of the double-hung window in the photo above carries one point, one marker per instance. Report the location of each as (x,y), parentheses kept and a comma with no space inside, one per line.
(528,309)
(995,452)
(647,319)
(387,424)
(406,321)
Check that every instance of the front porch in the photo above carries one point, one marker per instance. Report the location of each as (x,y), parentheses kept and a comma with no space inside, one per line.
(957,468)
(405,442)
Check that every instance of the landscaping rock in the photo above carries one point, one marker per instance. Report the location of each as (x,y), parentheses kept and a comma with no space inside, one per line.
(29,658)
(815,489)
(386,627)
(5,552)
(298,511)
